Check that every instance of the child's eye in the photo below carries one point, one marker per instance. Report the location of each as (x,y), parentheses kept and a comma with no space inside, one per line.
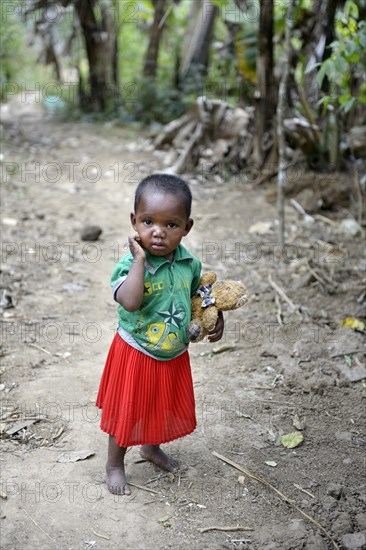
(172,225)
(147,222)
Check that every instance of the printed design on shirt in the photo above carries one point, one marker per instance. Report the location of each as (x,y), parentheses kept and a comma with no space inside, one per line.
(153,288)
(174,315)
(157,287)
(147,289)
(160,337)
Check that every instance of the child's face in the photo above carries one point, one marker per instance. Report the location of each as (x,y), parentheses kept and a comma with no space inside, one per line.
(161,222)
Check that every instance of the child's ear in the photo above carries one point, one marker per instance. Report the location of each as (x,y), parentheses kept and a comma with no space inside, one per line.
(189,226)
(133,220)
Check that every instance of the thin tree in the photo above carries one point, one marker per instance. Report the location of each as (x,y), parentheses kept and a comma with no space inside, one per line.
(281,105)
(265,106)
(157,27)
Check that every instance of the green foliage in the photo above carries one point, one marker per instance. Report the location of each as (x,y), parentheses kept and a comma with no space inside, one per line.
(149,102)
(18,65)
(346,65)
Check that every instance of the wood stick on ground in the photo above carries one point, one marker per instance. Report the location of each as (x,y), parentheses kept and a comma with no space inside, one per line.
(301,211)
(186,153)
(325,220)
(303,490)
(144,488)
(218,528)
(100,535)
(328,284)
(283,295)
(39,527)
(281,495)
(334,355)
(279,310)
(41,349)
(316,275)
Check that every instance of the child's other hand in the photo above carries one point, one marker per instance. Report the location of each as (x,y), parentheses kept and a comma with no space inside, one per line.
(135,248)
(216,334)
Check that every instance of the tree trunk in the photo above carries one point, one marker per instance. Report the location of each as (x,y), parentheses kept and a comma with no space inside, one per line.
(100,44)
(331,8)
(198,39)
(266,100)
(152,52)
(282,164)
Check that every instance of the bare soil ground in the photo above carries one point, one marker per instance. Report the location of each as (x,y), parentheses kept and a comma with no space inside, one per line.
(282,366)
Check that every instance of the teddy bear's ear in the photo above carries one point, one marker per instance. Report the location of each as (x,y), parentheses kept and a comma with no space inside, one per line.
(208,278)
(241,300)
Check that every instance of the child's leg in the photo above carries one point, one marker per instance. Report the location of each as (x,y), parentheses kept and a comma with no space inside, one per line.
(116,478)
(154,454)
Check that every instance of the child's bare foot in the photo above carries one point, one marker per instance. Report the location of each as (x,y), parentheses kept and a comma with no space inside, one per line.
(116,480)
(154,454)
(116,477)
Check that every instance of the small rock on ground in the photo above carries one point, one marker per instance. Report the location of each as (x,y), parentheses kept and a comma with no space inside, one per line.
(354,541)
(91,233)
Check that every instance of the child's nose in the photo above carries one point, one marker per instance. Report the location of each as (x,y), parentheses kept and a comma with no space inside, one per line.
(158,231)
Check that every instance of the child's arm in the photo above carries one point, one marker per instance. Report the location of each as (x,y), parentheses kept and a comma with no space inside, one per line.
(217,332)
(131,292)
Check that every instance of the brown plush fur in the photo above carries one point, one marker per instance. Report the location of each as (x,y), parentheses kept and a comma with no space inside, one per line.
(228,295)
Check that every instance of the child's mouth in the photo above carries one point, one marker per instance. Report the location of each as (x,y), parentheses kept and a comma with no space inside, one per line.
(158,246)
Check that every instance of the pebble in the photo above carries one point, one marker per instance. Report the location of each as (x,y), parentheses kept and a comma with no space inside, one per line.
(350,227)
(316,542)
(354,541)
(354,374)
(347,461)
(343,436)
(334,490)
(342,524)
(269,546)
(91,233)
(329,503)
(361,521)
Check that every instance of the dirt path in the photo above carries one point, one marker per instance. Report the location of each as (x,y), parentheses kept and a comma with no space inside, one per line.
(306,373)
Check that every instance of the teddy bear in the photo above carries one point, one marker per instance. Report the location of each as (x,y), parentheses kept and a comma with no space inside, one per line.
(211,297)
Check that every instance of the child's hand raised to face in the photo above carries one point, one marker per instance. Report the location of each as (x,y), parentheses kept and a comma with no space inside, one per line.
(135,248)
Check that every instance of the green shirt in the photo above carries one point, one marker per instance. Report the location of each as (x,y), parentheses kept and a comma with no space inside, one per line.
(158,327)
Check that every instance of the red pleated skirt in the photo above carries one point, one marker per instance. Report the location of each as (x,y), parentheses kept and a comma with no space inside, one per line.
(145,401)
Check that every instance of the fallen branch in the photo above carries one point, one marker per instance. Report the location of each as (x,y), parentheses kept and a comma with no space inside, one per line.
(303,490)
(325,220)
(39,527)
(302,211)
(279,310)
(218,528)
(281,495)
(144,488)
(100,535)
(346,353)
(283,295)
(323,279)
(41,349)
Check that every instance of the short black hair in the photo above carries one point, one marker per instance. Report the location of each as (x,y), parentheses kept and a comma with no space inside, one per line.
(165,183)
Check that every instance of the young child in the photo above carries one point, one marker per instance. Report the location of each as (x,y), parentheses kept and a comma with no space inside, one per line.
(146,390)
